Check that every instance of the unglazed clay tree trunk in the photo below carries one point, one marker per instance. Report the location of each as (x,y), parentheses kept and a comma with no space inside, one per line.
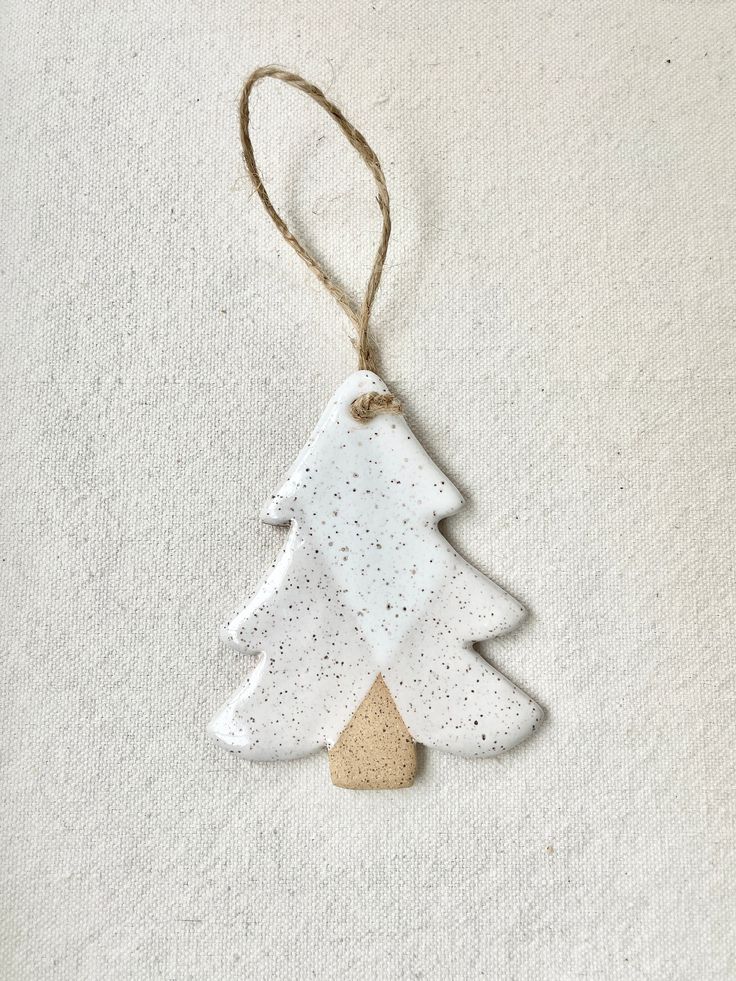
(375,751)
(365,623)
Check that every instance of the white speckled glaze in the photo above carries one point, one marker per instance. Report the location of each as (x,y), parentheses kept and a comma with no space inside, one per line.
(366,584)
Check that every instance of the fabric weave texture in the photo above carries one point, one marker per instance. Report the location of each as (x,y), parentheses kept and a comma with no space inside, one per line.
(557,316)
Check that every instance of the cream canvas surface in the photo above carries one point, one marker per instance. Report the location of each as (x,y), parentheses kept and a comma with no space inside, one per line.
(557,313)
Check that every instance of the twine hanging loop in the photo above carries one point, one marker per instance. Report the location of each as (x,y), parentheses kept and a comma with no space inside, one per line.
(358,315)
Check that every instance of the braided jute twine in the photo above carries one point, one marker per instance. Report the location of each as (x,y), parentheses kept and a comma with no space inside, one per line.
(372,403)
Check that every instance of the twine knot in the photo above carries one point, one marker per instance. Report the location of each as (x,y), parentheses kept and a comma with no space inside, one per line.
(372,404)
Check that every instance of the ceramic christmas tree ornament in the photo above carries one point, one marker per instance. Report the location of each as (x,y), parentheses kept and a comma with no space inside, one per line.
(364,626)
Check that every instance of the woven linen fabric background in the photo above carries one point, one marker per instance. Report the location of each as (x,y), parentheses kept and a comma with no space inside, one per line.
(557,312)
